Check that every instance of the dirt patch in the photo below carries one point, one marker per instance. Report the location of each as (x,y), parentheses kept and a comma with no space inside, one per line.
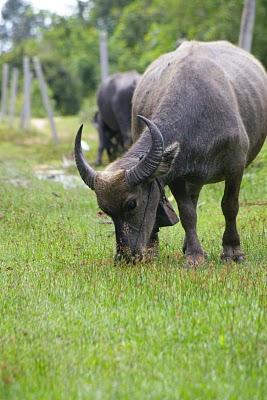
(45,172)
(39,123)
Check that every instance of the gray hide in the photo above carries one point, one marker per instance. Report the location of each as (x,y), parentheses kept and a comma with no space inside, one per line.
(113,119)
(206,110)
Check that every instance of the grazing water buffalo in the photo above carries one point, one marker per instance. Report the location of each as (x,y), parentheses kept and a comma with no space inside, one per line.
(113,120)
(206,119)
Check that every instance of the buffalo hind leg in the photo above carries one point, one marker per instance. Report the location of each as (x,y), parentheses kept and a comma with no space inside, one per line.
(188,216)
(125,127)
(230,206)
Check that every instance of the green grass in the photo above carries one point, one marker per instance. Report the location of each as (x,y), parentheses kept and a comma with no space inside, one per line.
(73,326)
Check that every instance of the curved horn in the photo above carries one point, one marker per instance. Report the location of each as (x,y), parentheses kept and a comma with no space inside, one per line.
(148,164)
(87,173)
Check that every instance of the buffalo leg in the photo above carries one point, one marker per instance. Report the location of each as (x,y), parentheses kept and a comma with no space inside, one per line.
(153,246)
(125,128)
(101,146)
(230,206)
(193,191)
(188,216)
(113,146)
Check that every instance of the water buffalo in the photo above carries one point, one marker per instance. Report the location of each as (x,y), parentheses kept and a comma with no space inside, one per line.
(206,120)
(109,140)
(113,120)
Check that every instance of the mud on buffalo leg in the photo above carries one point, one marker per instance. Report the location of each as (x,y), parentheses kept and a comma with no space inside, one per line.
(230,206)
(188,215)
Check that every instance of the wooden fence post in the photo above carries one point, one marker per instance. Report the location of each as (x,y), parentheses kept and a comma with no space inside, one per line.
(13,95)
(26,112)
(45,97)
(103,47)
(4,91)
(247,24)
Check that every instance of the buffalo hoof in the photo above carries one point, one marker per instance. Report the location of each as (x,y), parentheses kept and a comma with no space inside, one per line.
(232,254)
(195,260)
(236,258)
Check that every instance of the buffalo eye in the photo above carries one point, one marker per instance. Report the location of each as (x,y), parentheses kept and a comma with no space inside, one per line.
(131,204)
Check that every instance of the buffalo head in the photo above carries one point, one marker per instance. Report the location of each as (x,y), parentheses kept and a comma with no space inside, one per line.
(133,197)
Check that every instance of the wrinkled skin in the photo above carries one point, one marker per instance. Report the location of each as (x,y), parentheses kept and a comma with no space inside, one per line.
(200,127)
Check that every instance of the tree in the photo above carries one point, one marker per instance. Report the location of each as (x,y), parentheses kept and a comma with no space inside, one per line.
(141,36)
(64,85)
(82,10)
(139,32)
(20,22)
(107,12)
(247,24)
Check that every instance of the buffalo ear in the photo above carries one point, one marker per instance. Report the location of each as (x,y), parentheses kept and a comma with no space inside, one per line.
(168,157)
(166,215)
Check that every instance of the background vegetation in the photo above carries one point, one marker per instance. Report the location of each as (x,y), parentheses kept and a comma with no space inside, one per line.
(68,46)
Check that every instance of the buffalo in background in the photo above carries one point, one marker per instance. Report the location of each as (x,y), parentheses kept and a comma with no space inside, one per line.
(113,118)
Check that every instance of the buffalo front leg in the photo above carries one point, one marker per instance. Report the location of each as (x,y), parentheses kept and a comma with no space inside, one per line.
(153,245)
(230,206)
(188,216)
(193,191)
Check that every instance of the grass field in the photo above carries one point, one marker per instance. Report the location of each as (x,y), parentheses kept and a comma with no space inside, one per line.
(73,326)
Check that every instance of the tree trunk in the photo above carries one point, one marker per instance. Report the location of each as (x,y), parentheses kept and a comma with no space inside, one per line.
(103,47)
(4,91)
(13,95)
(25,121)
(45,97)
(247,24)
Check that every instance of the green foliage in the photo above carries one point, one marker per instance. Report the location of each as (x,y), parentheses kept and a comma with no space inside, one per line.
(20,22)
(147,35)
(65,88)
(139,32)
(128,39)
(37,107)
(76,45)
(260,35)
(107,12)
(141,36)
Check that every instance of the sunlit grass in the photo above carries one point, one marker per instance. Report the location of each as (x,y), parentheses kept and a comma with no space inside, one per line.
(73,326)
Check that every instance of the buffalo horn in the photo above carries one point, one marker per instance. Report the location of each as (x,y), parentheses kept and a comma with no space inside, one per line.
(150,162)
(87,173)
